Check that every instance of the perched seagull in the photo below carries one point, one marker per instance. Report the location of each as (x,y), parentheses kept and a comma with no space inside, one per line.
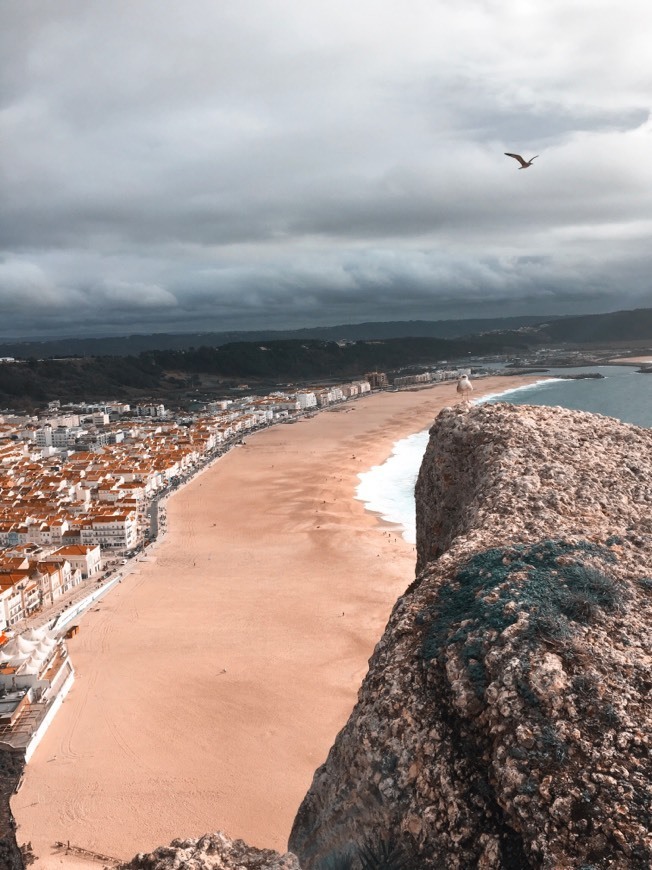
(464,386)
(524,163)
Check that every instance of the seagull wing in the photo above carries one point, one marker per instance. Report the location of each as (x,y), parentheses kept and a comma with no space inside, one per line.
(516,157)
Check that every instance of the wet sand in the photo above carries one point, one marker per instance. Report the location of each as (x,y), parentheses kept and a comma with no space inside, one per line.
(212,682)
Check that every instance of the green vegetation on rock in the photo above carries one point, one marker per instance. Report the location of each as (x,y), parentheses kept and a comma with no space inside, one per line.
(547,585)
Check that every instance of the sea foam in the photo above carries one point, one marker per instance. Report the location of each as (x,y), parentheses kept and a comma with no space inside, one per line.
(388,489)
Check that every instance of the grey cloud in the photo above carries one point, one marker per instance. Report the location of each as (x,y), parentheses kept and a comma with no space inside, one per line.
(487,114)
(163,166)
(24,286)
(132,295)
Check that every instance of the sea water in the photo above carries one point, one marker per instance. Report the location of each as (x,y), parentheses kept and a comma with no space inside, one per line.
(388,489)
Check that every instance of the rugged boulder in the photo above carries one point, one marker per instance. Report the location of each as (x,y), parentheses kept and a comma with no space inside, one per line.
(212,852)
(505,721)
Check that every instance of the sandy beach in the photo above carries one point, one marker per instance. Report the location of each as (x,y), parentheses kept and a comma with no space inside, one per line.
(212,682)
(632,360)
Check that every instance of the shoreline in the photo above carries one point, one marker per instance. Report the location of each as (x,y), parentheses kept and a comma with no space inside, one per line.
(393,476)
(212,682)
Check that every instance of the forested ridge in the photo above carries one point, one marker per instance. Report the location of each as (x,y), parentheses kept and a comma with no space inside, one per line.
(168,373)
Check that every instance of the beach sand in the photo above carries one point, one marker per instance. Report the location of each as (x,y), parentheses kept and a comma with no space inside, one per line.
(212,682)
(632,360)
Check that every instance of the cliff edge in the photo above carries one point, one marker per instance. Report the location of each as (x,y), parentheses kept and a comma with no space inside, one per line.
(505,720)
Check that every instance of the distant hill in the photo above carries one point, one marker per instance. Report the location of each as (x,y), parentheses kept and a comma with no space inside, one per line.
(298,359)
(135,344)
(176,375)
(618,326)
(29,384)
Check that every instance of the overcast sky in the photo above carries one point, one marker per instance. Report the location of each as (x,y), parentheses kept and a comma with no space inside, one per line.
(233,164)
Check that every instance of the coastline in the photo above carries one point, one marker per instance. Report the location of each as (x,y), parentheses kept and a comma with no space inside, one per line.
(212,682)
(388,489)
(631,361)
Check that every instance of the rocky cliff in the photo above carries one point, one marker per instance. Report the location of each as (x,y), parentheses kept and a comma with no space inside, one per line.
(505,721)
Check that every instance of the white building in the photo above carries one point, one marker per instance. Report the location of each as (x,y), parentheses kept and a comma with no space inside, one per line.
(87,560)
(11,604)
(329,396)
(306,399)
(350,391)
(61,436)
(151,411)
(286,404)
(111,532)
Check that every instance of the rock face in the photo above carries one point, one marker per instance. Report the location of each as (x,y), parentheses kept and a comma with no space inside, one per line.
(505,721)
(212,852)
(11,770)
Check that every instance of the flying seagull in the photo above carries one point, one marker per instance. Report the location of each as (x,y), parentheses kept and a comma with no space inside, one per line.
(524,163)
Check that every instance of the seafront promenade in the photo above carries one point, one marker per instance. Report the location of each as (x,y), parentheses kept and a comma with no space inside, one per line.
(212,681)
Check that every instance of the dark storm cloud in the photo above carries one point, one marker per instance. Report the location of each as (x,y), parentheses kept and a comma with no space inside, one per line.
(208,166)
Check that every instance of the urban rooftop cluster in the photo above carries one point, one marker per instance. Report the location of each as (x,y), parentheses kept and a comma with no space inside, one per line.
(77,483)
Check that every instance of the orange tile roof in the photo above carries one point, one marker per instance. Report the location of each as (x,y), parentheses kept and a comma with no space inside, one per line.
(75,550)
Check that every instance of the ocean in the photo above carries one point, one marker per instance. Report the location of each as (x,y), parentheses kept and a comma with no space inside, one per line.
(388,489)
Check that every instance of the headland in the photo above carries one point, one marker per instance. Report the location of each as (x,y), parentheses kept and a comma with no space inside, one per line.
(505,719)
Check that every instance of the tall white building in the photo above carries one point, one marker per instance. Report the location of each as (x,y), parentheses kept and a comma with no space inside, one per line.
(112,532)
(307,399)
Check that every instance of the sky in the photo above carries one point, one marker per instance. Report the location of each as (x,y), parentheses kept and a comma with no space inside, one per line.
(244,164)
